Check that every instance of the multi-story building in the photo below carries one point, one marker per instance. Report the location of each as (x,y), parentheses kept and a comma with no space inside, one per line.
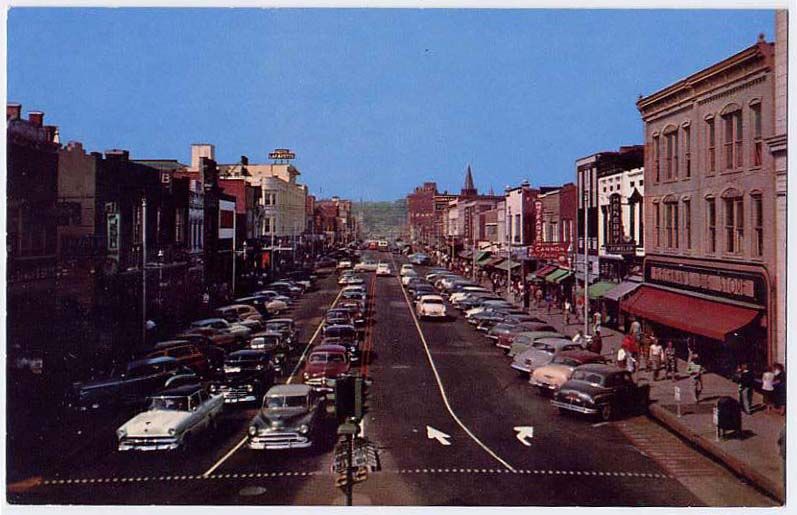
(421,211)
(710,212)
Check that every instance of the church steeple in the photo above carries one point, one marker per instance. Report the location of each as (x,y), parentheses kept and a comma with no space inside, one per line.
(469,190)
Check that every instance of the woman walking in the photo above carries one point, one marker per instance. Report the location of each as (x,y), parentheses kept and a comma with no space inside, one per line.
(656,356)
(670,362)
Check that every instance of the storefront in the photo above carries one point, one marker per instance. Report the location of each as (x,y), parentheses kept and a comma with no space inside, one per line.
(723,311)
(611,304)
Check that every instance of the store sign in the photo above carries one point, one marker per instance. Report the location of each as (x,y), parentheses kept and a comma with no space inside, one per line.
(731,284)
(621,248)
(538,221)
(615,219)
(112,226)
(281,153)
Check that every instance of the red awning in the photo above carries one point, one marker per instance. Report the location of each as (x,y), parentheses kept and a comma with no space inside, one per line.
(545,270)
(691,314)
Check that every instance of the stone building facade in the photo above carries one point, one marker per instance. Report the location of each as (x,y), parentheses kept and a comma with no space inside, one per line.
(710,210)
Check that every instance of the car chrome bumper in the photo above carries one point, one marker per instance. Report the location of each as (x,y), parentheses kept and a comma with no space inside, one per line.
(543,386)
(278,441)
(148,445)
(521,367)
(574,407)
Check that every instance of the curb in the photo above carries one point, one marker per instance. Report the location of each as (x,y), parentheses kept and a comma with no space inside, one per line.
(670,420)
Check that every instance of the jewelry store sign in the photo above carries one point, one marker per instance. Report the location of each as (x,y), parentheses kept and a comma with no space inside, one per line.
(724,283)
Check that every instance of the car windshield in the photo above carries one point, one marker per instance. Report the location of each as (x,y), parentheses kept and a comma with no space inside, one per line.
(277,326)
(588,377)
(569,362)
(285,401)
(547,347)
(340,332)
(432,301)
(169,403)
(323,357)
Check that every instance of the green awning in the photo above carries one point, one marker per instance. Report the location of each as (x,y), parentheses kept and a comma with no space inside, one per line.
(558,275)
(483,257)
(598,289)
(507,265)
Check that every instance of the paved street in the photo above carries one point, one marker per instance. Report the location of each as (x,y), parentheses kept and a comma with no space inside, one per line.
(430,376)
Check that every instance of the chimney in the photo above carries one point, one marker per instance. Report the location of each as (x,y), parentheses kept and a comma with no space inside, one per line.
(36,118)
(116,153)
(13,111)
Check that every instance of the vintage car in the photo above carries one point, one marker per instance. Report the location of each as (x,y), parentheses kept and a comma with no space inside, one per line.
(286,288)
(130,385)
(174,419)
(365,266)
(420,291)
(430,306)
(405,268)
(265,306)
(353,295)
(185,352)
(541,352)
(239,313)
(550,377)
(271,295)
(239,331)
(325,364)
(350,280)
(343,264)
(247,376)
(355,288)
(407,276)
(355,308)
(418,259)
(335,316)
(602,390)
(346,336)
(221,338)
(286,326)
(325,262)
(290,417)
(383,269)
(507,340)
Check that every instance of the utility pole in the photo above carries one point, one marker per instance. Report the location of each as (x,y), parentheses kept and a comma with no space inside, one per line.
(234,248)
(144,270)
(586,255)
(509,248)
(473,268)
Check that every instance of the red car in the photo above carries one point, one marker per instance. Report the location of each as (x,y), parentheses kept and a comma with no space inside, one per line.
(325,364)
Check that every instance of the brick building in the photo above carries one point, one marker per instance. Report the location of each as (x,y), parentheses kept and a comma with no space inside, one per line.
(420,212)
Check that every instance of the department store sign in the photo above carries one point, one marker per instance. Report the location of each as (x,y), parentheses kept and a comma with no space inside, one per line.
(731,284)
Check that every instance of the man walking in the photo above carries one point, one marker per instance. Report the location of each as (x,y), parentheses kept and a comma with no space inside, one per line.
(656,356)
(745,379)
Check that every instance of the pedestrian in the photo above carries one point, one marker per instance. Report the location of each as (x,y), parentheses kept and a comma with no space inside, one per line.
(745,379)
(596,345)
(670,362)
(526,299)
(549,302)
(768,389)
(567,311)
(630,363)
(780,388)
(656,357)
(622,355)
(691,350)
(696,374)
(636,329)
(596,321)
(538,297)
(644,352)
(579,339)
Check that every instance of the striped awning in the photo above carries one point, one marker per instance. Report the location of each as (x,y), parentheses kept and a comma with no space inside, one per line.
(558,276)
(508,265)
(599,289)
(621,290)
(483,257)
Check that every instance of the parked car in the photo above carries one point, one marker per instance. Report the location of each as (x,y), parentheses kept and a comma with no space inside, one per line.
(356,308)
(431,306)
(239,312)
(247,376)
(175,418)
(419,259)
(346,336)
(383,269)
(290,418)
(186,353)
(603,390)
(286,288)
(405,268)
(128,385)
(261,304)
(506,340)
(407,276)
(214,354)
(221,338)
(239,331)
(325,262)
(541,352)
(271,295)
(551,377)
(285,326)
(325,364)
(344,264)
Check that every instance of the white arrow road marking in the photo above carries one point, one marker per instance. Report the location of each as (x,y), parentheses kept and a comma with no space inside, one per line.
(524,432)
(434,434)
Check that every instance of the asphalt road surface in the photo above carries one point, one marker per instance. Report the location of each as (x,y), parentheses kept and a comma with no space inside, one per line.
(443,409)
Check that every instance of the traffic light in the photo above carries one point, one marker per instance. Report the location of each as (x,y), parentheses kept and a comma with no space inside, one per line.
(344,397)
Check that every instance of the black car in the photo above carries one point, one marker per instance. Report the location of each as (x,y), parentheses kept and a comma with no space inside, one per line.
(356,308)
(602,390)
(338,316)
(345,335)
(214,354)
(274,343)
(130,385)
(248,374)
(286,326)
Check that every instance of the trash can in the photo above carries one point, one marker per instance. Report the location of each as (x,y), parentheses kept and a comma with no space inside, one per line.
(729,415)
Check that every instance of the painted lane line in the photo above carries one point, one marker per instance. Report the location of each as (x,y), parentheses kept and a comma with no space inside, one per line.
(442,389)
(290,378)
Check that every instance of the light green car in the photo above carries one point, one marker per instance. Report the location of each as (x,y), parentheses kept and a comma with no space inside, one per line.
(524,340)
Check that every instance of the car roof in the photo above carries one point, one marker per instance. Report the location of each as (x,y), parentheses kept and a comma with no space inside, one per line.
(435,297)
(555,340)
(328,348)
(165,344)
(247,353)
(289,389)
(279,320)
(541,334)
(151,361)
(234,306)
(581,355)
(261,334)
(208,320)
(601,368)
(181,391)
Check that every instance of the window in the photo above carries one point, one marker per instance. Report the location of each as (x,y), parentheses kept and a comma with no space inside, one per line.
(758,225)
(516,232)
(688,223)
(734,224)
(711,221)
(758,144)
(671,158)
(671,221)
(711,137)
(657,157)
(657,228)
(733,139)
(688,151)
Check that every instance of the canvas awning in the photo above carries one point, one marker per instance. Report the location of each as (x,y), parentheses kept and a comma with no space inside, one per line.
(597,290)
(542,272)
(483,257)
(493,261)
(558,276)
(713,319)
(621,290)
(508,265)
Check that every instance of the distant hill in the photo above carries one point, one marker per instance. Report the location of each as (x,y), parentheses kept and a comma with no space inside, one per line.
(385,219)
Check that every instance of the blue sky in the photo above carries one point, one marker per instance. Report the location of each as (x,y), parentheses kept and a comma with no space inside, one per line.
(373,102)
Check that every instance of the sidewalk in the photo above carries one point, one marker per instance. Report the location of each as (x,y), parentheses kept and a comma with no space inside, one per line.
(753,454)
